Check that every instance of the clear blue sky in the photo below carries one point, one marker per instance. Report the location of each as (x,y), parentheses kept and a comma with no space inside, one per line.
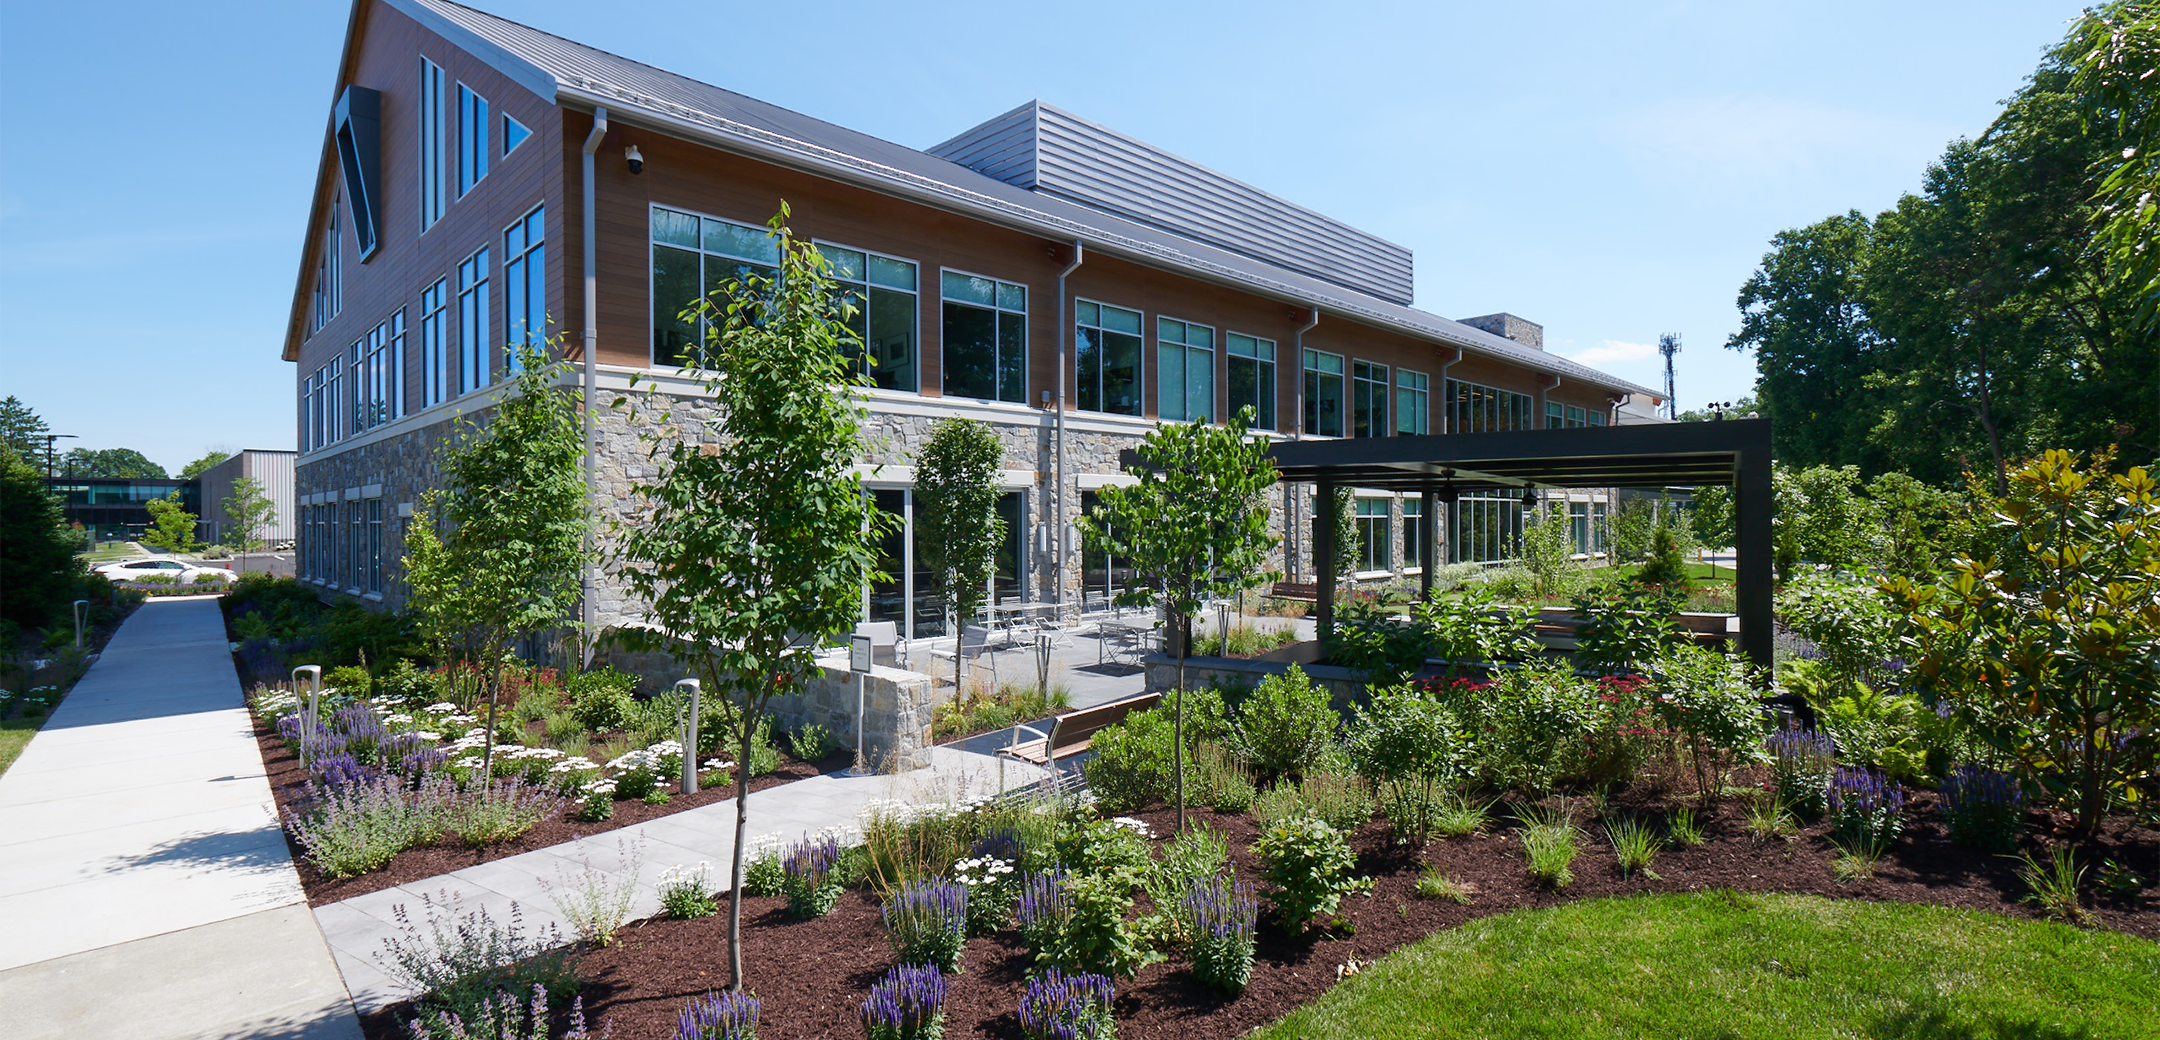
(1611,171)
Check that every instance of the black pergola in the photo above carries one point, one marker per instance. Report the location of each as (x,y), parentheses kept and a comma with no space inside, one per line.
(1440,467)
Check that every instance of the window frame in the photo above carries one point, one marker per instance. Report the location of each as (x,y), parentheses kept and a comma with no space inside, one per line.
(914,293)
(518,328)
(433,168)
(1414,402)
(1361,387)
(1376,553)
(652,245)
(1310,375)
(999,313)
(473,150)
(1267,387)
(1140,380)
(1186,350)
(474,322)
(435,343)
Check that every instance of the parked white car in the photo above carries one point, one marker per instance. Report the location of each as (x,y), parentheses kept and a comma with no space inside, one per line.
(178,571)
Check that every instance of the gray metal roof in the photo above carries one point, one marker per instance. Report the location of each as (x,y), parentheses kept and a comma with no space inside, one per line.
(565,72)
(1046,149)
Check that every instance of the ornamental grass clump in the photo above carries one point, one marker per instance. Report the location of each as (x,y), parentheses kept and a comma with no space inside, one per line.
(358,827)
(502,1017)
(907,1004)
(1057,1006)
(1307,866)
(1801,764)
(726,1015)
(1983,806)
(807,877)
(1635,844)
(1550,845)
(926,923)
(1221,916)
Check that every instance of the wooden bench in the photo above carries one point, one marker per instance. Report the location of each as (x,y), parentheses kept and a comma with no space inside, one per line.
(1297,591)
(1074,731)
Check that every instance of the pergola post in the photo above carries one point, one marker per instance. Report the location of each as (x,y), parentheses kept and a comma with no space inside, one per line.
(1325,519)
(1752,500)
(1426,543)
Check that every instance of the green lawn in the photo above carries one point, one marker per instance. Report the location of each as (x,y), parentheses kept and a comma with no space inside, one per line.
(110,552)
(15,734)
(1717,965)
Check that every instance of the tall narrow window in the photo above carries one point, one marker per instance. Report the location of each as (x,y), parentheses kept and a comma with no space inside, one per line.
(1413,403)
(882,290)
(356,540)
(1184,370)
(334,400)
(1579,525)
(1413,532)
(1106,349)
(1575,419)
(378,368)
(1555,415)
(472,136)
(1251,369)
(1368,399)
(473,325)
(374,545)
(330,272)
(434,178)
(525,286)
(1323,393)
(434,343)
(1375,534)
(691,257)
(985,351)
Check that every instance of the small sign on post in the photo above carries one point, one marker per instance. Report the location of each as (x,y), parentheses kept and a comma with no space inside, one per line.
(859,657)
(690,736)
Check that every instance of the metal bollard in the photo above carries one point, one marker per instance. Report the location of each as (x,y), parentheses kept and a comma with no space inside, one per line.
(314,707)
(690,737)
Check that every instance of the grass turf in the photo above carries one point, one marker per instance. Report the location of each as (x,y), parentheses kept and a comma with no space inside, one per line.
(15,735)
(1715,965)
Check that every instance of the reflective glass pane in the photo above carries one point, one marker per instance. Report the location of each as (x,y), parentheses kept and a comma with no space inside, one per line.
(1170,381)
(970,289)
(1118,319)
(1199,383)
(891,339)
(675,229)
(1087,357)
(1169,330)
(896,274)
(847,264)
(970,352)
(1087,313)
(1012,357)
(1199,336)
(1012,297)
(738,240)
(1121,371)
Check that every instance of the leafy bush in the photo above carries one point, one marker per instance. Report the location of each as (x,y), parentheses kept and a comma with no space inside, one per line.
(1529,729)
(500,813)
(726,1015)
(1221,915)
(1078,922)
(1621,628)
(811,743)
(807,877)
(1220,781)
(762,873)
(1876,729)
(1380,647)
(1057,1006)
(594,902)
(1704,698)
(350,680)
(1667,563)
(1801,764)
(992,889)
(1474,628)
(1402,733)
(686,894)
(1341,801)
(1114,849)
(1985,807)
(1307,867)
(1131,768)
(907,1004)
(601,699)
(1850,623)
(456,962)
(1284,727)
(1867,809)
(504,1016)
(927,922)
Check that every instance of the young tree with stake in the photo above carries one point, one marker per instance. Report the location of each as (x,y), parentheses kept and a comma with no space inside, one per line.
(957,526)
(760,535)
(250,512)
(1194,528)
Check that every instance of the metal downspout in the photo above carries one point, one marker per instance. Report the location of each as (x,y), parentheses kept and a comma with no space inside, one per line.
(1291,512)
(1058,495)
(590,611)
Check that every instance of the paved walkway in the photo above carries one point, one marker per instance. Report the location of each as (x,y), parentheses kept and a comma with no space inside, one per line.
(145,889)
(356,928)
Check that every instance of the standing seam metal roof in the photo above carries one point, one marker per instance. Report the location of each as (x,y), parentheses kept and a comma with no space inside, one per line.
(557,69)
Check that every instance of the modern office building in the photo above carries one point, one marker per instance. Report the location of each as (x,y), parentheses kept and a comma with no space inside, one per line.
(1056,279)
(272,471)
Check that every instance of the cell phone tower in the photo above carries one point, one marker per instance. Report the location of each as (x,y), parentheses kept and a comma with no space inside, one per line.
(1668,345)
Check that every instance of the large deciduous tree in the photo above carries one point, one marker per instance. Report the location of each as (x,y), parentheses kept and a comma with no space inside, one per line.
(1194,528)
(507,562)
(199,466)
(957,527)
(2114,51)
(759,534)
(124,463)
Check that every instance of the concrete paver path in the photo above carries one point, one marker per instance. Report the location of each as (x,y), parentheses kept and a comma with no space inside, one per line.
(145,889)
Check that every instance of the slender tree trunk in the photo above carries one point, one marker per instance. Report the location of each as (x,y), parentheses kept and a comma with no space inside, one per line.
(1986,408)
(487,757)
(742,829)
(1177,729)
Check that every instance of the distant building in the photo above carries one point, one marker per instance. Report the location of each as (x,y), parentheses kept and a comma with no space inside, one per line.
(118,508)
(273,470)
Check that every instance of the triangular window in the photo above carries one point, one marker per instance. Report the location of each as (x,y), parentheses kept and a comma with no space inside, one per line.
(514,134)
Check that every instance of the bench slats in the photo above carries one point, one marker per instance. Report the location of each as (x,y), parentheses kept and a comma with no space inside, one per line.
(1074,731)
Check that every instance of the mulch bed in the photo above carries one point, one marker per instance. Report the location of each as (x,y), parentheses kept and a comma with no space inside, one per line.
(812,975)
(287,778)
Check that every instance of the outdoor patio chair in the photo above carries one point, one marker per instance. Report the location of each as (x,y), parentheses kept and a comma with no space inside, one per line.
(975,643)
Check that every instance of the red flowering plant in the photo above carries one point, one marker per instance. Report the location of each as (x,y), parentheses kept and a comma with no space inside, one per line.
(1626,734)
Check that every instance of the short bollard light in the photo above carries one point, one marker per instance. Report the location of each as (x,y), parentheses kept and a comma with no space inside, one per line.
(314,705)
(690,737)
(81,607)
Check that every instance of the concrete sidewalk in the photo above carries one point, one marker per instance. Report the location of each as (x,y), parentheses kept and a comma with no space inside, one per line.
(145,888)
(356,928)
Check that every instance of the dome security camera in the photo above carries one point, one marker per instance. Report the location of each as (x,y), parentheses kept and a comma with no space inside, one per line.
(637,161)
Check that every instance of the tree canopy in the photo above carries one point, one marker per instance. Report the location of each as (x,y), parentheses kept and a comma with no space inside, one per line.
(23,430)
(196,468)
(109,462)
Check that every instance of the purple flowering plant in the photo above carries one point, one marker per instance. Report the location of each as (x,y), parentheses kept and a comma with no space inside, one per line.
(1866,807)
(1057,1006)
(726,1015)
(1983,807)
(907,1004)
(927,922)
(807,877)
(1223,916)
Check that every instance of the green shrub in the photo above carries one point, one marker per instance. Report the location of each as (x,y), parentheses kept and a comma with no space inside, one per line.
(1473,627)
(1380,647)
(1706,700)
(1340,800)
(811,743)
(1285,726)
(1107,848)
(1621,628)
(1402,733)
(1131,768)
(351,681)
(1221,782)
(601,699)
(1085,926)
(1529,728)
(1196,854)
(1307,867)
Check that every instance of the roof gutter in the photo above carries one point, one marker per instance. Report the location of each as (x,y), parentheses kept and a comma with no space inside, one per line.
(798,155)
(589,611)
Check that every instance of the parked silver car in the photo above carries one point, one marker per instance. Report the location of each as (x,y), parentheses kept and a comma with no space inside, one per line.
(179,571)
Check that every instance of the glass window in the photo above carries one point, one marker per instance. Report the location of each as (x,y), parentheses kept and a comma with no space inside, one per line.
(985,337)
(1485,529)
(1184,370)
(1413,408)
(525,285)
(1107,349)
(356,544)
(1251,375)
(888,599)
(692,257)
(473,325)
(1483,409)
(374,545)
(1323,393)
(514,134)
(1005,583)
(472,139)
(434,343)
(1555,415)
(329,274)
(1413,532)
(1102,576)
(378,364)
(1596,418)
(1368,399)
(882,292)
(1375,535)
(433,170)
(1575,417)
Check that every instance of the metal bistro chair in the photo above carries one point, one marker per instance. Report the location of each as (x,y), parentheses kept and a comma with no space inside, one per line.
(975,643)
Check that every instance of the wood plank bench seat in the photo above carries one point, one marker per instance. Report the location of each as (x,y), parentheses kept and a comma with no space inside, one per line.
(1298,591)
(1074,731)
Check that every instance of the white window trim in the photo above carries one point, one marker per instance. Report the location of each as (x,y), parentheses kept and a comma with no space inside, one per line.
(652,357)
(1142,391)
(1216,355)
(1026,338)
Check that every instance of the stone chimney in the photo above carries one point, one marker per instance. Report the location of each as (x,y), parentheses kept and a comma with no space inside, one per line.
(1507,326)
